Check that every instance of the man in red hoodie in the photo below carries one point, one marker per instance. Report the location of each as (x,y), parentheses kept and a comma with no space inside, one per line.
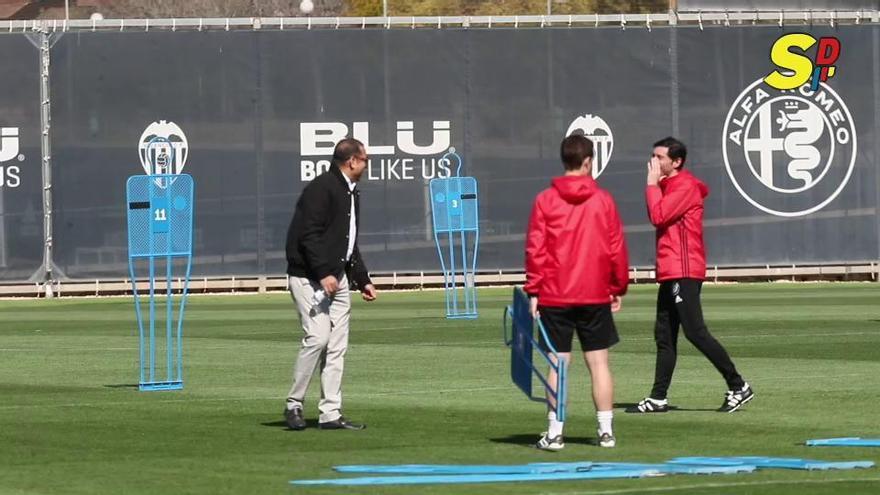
(675,207)
(576,274)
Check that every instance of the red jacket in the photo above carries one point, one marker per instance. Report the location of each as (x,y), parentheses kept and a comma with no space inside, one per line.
(675,207)
(575,248)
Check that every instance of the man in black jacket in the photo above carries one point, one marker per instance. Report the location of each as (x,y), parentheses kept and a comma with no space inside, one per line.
(322,260)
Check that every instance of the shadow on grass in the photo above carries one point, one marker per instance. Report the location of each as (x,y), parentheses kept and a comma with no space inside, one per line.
(310,423)
(631,406)
(122,385)
(529,439)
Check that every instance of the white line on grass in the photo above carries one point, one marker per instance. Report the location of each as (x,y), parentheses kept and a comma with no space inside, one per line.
(232,346)
(241,399)
(710,485)
(65,349)
(444,344)
(421,392)
(408,327)
(793,377)
(772,335)
(449,344)
(417,344)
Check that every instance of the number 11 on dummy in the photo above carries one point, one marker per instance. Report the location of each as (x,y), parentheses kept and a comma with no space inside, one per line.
(160,220)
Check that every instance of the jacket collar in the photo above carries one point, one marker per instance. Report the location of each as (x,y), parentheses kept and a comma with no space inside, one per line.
(338,174)
(669,181)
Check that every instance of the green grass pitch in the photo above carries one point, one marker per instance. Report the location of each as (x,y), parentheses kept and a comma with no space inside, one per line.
(431,391)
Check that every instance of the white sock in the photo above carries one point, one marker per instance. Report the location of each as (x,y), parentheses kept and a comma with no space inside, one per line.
(555,428)
(605,418)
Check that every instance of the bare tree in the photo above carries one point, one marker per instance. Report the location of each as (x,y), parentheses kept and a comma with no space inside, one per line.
(217,8)
(502,7)
(357,8)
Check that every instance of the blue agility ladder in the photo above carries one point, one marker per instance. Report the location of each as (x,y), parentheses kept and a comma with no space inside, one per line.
(422,474)
(537,467)
(418,474)
(454,213)
(160,222)
(483,478)
(844,442)
(772,463)
(521,341)
(540,468)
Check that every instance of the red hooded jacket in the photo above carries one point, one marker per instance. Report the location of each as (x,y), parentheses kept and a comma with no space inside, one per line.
(575,249)
(675,207)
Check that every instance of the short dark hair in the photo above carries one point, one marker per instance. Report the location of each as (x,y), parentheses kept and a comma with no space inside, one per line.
(676,148)
(574,150)
(345,149)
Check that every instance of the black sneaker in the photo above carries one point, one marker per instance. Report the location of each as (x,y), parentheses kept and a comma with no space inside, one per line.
(649,405)
(294,418)
(734,399)
(340,424)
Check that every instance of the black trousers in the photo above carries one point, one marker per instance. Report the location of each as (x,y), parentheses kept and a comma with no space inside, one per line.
(678,304)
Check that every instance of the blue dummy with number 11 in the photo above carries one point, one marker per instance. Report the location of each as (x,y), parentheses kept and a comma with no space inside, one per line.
(160,224)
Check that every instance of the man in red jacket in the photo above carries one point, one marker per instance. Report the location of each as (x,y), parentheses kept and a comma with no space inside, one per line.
(675,207)
(576,274)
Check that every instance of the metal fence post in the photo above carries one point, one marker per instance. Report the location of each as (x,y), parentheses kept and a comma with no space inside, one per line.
(46,151)
(48,273)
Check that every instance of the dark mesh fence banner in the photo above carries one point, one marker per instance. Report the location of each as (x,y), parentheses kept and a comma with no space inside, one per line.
(503,98)
(527,93)
(253,116)
(21,203)
(200,90)
(402,92)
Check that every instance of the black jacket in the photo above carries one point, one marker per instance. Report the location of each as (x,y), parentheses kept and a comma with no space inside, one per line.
(317,239)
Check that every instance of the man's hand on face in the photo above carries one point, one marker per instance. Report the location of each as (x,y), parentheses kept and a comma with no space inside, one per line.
(654,173)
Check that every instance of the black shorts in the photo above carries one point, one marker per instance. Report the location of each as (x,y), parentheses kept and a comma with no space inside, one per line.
(593,323)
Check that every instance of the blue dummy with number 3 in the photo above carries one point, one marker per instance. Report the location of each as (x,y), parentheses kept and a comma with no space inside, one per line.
(160,224)
(455,215)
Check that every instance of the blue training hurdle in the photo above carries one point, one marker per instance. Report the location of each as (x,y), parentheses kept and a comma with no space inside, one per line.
(521,341)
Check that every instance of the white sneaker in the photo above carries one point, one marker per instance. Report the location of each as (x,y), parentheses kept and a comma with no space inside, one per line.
(606,440)
(547,443)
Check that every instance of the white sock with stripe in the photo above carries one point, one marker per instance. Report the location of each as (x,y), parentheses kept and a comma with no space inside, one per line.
(605,418)
(555,427)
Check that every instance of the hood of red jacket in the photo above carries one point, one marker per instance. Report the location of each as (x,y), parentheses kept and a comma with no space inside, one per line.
(682,178)
(575,189)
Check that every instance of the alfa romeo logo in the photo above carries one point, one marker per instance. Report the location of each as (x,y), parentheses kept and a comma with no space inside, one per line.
(789,153)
